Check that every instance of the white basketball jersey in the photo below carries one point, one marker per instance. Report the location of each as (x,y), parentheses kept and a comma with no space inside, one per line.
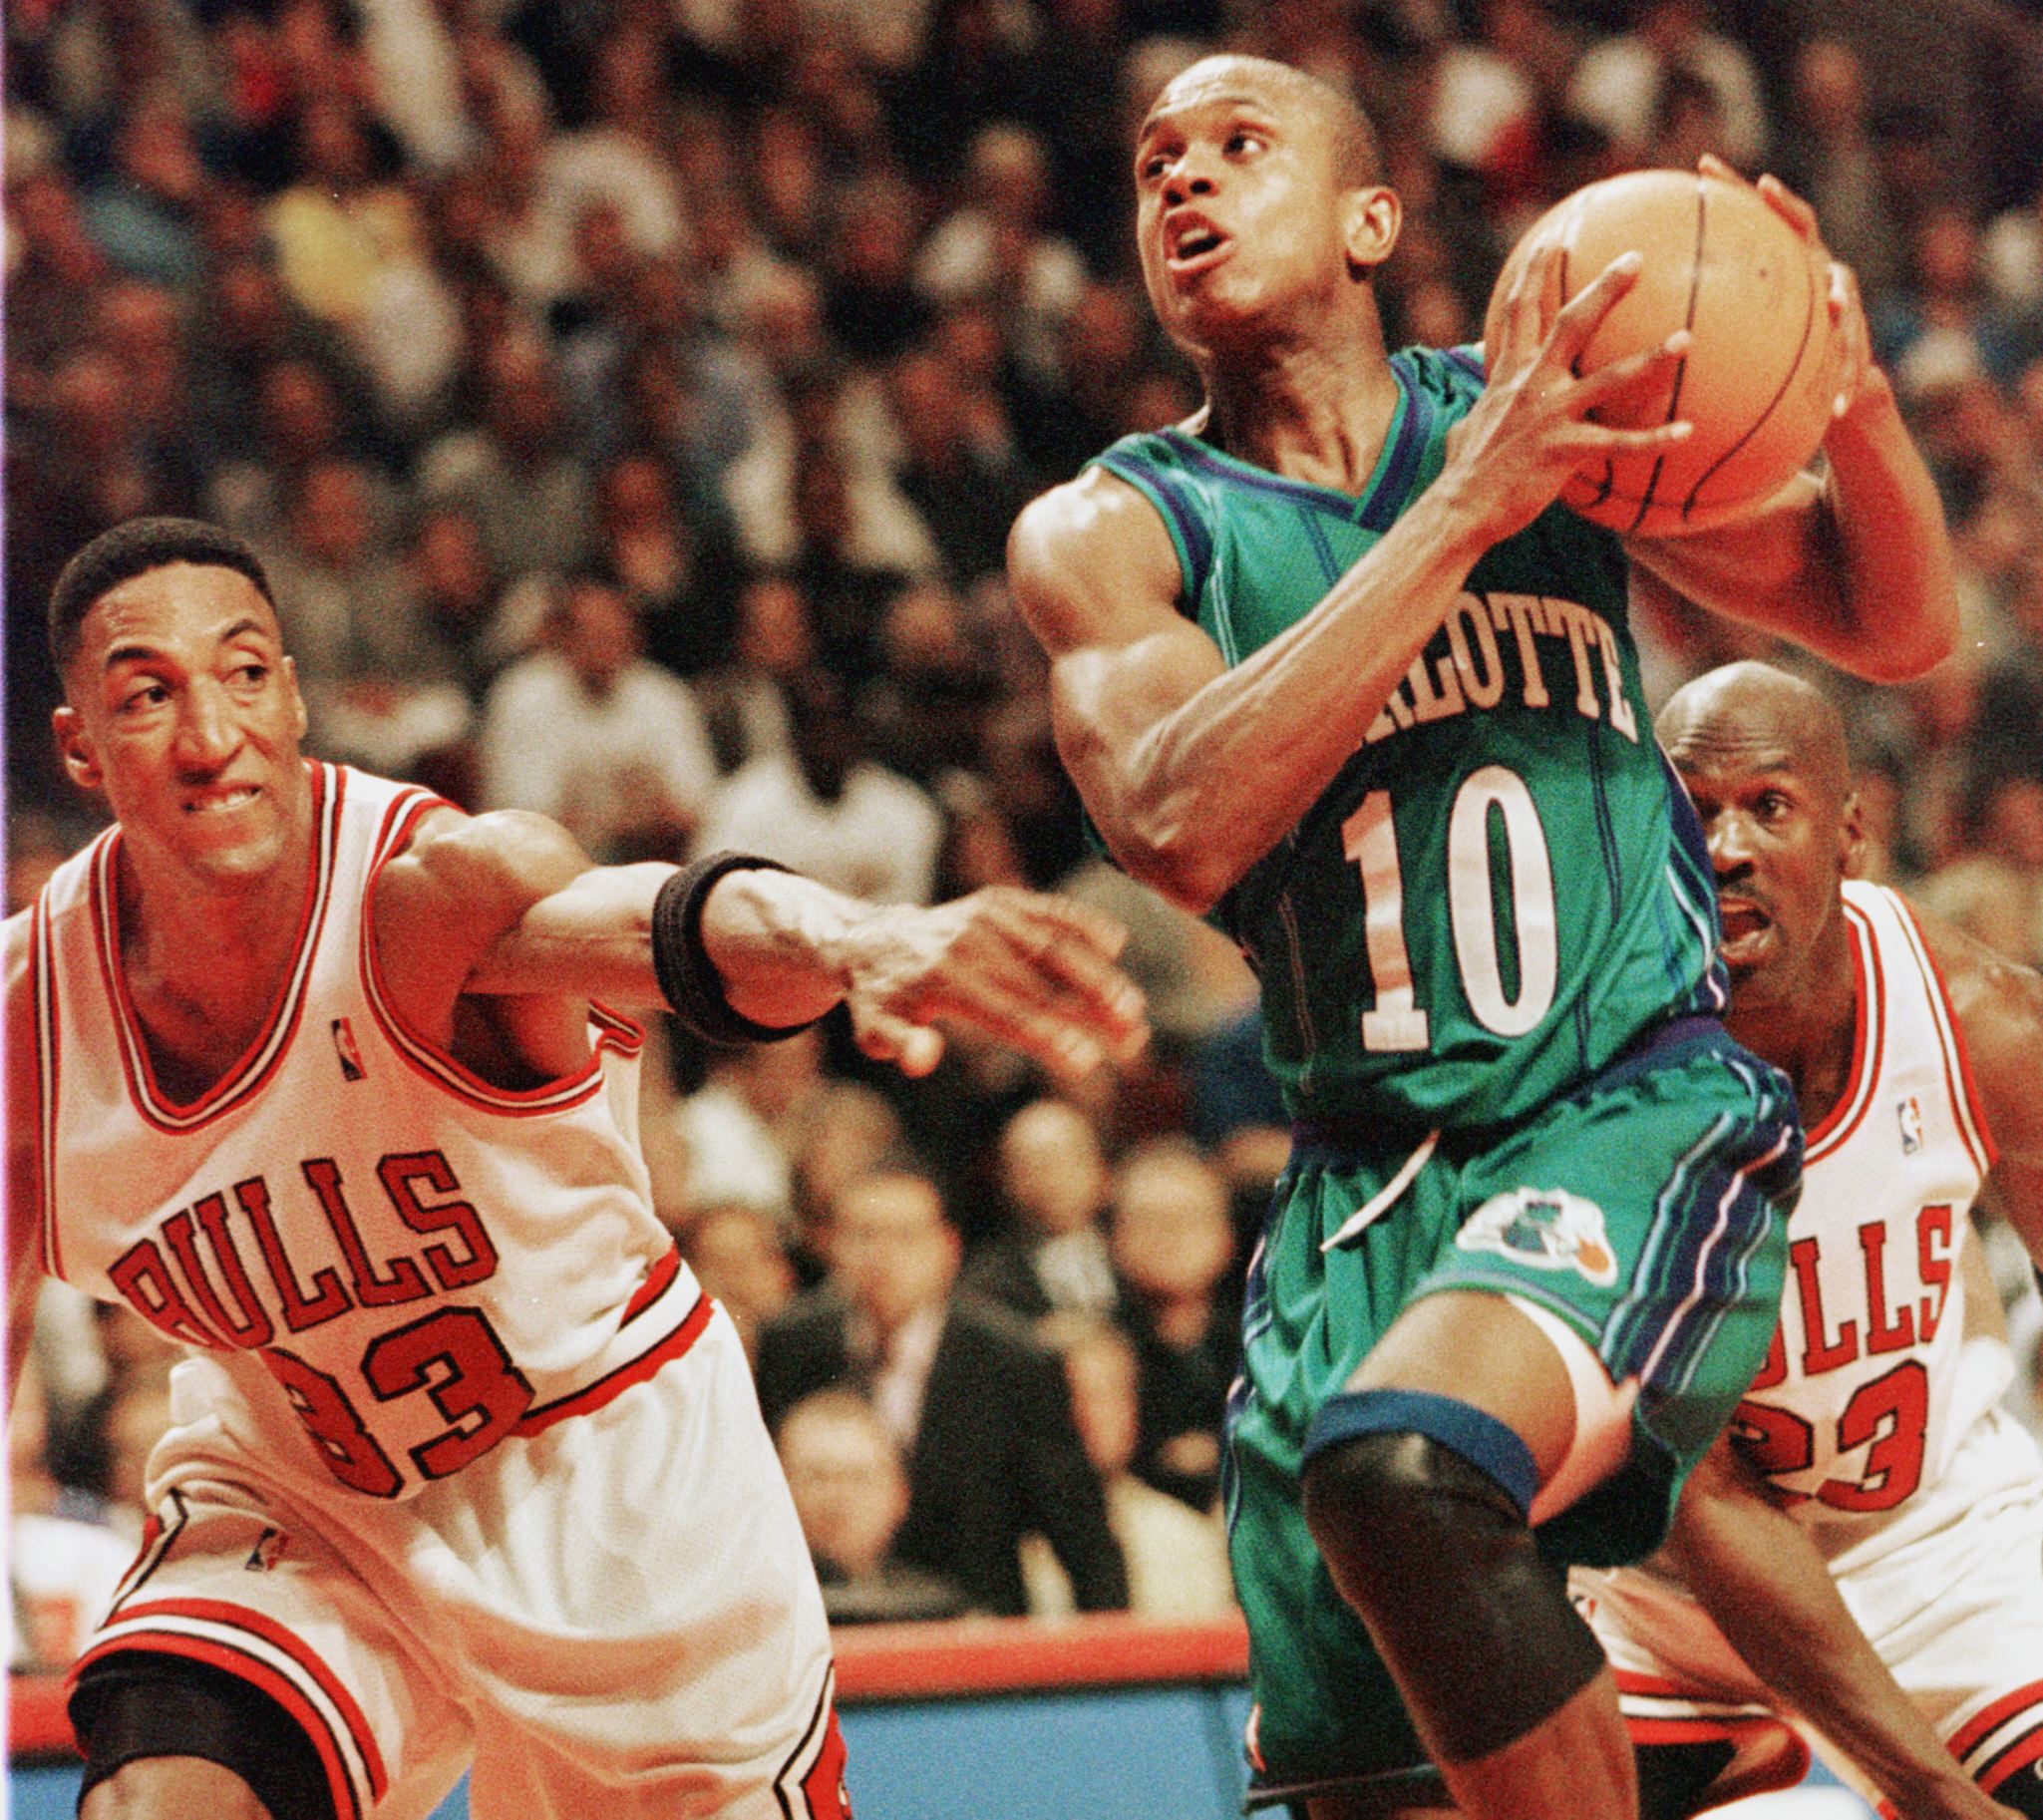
(1862,1401)
(394,1259)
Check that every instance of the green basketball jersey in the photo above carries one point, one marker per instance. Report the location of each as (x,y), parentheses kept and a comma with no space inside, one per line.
(1506,883)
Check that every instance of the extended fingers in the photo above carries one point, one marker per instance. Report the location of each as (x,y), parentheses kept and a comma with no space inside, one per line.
(1580,318)
(1608,384)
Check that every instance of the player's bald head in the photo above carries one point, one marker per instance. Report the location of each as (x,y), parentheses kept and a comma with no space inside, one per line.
(1754,717)
(1352,139)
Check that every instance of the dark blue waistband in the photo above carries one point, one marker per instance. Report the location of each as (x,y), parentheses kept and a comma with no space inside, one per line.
(1651,1048)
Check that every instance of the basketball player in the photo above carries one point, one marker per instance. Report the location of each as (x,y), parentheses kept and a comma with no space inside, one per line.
(1871,1439)
(1328,663)
(319,1076)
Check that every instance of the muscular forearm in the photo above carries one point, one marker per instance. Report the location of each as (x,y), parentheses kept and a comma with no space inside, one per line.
(1898,597)
(1208,787)
(1857,567)
(1766,1586)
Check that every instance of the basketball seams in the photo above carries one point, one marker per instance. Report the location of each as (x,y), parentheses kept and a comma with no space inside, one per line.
(1695,274)
(1689,506)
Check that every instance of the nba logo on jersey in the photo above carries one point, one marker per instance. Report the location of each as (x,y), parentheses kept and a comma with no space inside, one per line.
(350,1056)
(1547,1229)
(1909,1112)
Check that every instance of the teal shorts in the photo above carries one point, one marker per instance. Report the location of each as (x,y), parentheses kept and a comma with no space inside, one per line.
(1647,1211)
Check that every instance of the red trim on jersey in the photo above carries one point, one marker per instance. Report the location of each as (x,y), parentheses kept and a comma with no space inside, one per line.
(657,1280)
(1631,1682)
(1869,1037)
(1966,1111)
(622,1033)
(258,1623)
(1990,1718)
(260,1674)
(429,1060)
(2025,1750)
(43,988)
(259,1061)
(613,1384)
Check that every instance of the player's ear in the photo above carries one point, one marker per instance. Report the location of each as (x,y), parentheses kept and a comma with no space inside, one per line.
(1851,838)
(80,763)
(1370,228)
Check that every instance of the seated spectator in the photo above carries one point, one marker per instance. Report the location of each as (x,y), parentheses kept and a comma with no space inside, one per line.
(981,1411)
(827,810)
(1173,1244)
(61,1572)
(745,702)
(846,1130)
(741,1126)
(1176,1558)
(851,1495)
(529,492)
(738,1256)
(1617,86)
(590,733)
(1053,1258)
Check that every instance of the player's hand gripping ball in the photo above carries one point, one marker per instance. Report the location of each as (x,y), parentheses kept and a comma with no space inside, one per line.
(1762,374)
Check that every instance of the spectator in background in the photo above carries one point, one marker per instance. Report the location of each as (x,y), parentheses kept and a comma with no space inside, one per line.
(1053,1256)
(589,733)
(1173,1244)
(827,810)
(851,1495)
(997,245)
(677,566)
(745,702)
(737,1254)
(963,484)
(516,476)
(1618,85)
(738,1129)
(1833,160)
(61,1570)
(1177,1557)
(144,218)
(981,1412)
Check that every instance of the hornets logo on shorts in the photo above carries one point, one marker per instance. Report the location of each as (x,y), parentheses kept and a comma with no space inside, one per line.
(1547,1229)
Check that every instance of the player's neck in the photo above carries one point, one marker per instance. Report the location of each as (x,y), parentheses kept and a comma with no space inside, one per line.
(1315,411)
(205,942)
(1807,1033)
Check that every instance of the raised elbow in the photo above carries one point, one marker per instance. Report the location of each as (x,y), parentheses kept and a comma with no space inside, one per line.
(1901,654)
(1175,862)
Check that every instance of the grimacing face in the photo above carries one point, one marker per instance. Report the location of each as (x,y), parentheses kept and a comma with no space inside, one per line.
(1780,842)
(1239,211)
(183,710)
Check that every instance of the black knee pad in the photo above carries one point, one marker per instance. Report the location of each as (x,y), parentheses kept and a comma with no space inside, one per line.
(1674,1780)
(134,1703)
(1436,1556)
(2023,1791)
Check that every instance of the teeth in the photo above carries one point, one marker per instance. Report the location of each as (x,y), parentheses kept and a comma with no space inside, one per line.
(233,800)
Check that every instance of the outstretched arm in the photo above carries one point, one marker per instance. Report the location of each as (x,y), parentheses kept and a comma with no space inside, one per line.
(1854,565)
(507,908)
(1761,1579)
(1193,771)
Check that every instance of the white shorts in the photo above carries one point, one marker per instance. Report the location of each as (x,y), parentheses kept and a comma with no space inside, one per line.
(616,1616)
(1955,1610)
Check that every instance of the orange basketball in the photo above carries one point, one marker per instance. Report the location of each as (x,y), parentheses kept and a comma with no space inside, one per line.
(1759,379)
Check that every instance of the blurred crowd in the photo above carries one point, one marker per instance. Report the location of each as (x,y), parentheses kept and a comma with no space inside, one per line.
(630,399)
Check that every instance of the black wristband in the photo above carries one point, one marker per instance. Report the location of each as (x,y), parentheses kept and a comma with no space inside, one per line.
(687,975)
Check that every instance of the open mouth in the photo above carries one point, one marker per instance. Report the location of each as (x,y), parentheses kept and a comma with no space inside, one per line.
(1192,243)
(1746,927)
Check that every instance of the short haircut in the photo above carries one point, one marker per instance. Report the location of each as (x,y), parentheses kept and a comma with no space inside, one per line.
(134,549)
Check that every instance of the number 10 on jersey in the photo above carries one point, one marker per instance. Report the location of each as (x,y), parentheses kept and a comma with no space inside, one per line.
(1369,838)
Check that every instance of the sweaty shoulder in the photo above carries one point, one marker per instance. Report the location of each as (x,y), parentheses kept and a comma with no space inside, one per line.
(1091,560)
(1999,1006)
(458,882)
